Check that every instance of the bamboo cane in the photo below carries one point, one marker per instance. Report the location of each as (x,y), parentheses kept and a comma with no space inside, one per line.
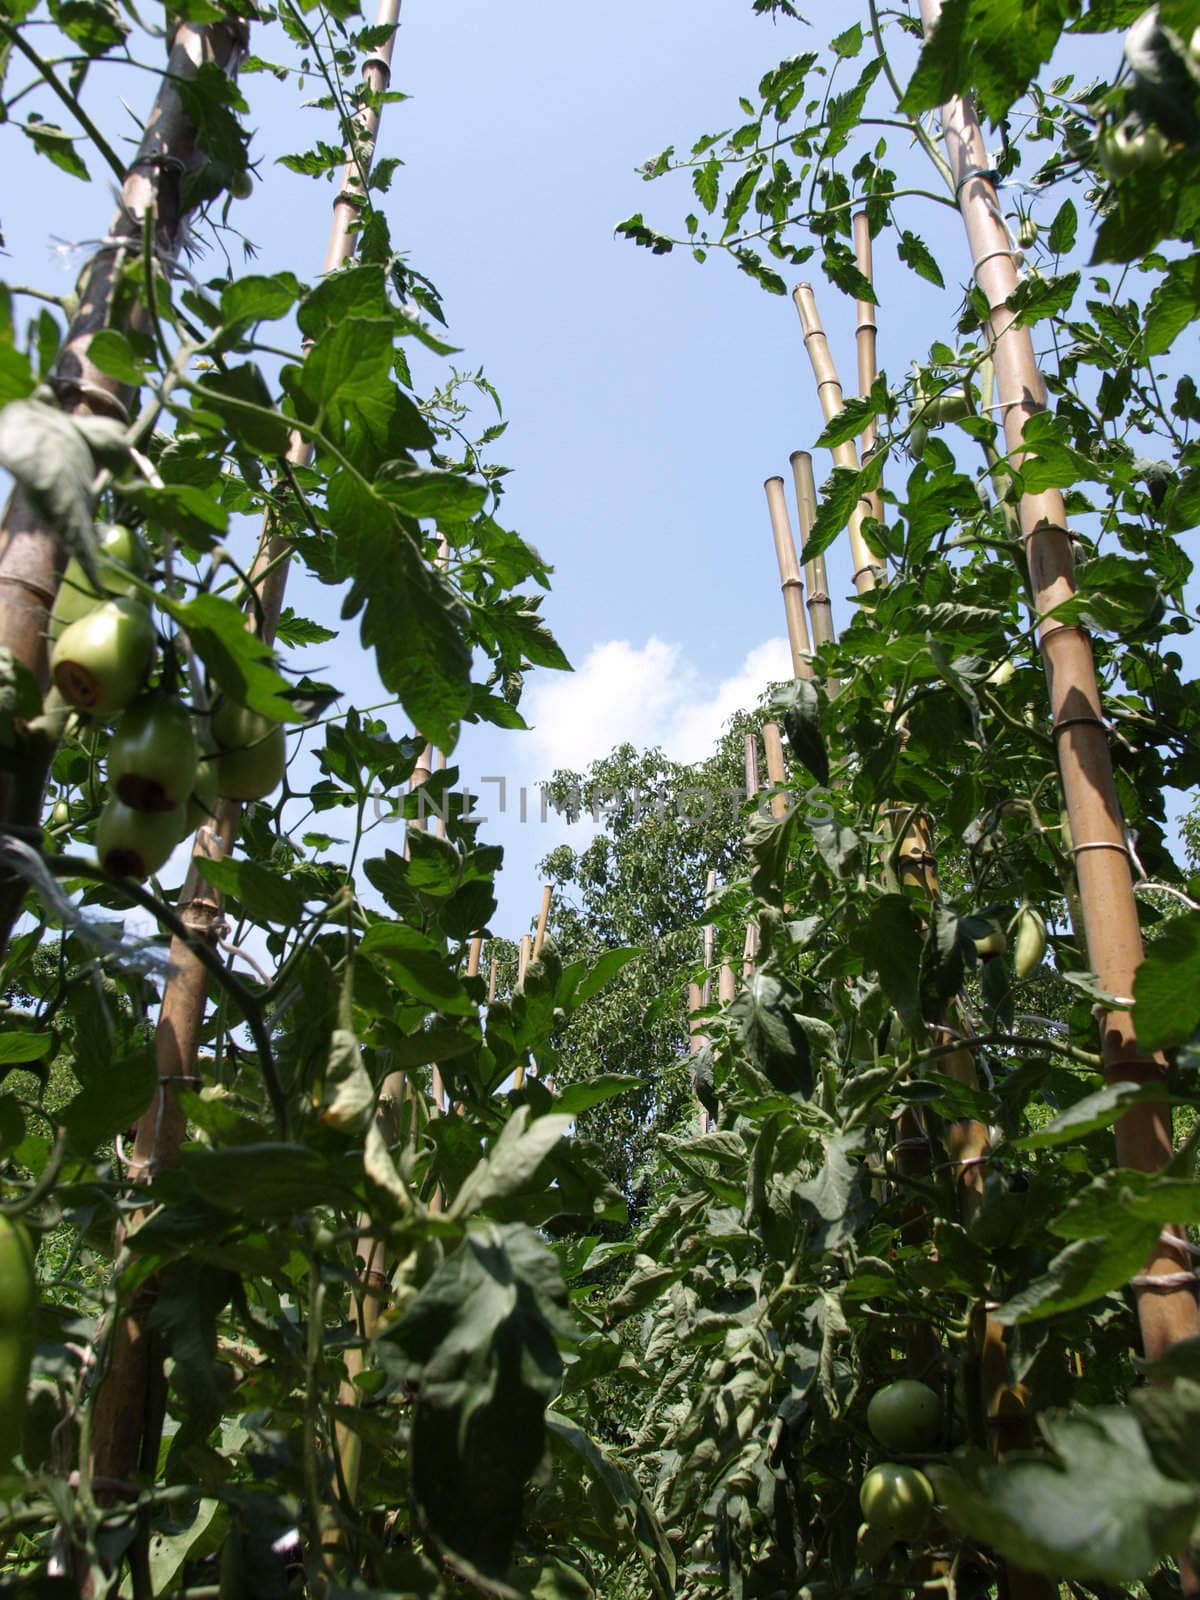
(120,1399)
(31,560)
(697,1039)
(820,610)
(493,970)
(753,785)
(867,567)
(539,937)
(790,581)
(865,335)
(474,951)
(710,936)
(750,749)
(776,770)
(421,775)
(1143,1135)
(439,821)
(523,954)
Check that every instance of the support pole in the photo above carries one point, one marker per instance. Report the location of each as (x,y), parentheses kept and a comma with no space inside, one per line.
(1111,925)
(867,567)
(820,611)
(790,581)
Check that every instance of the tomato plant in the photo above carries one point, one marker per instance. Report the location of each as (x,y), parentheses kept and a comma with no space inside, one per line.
(359,1278)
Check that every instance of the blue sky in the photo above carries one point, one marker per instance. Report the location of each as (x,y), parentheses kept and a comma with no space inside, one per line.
(647,398)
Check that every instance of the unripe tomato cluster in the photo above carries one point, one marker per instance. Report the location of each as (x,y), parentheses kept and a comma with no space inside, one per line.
(165,772)
(896,1499)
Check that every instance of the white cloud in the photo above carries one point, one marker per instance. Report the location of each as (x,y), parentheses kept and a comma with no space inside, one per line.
(652,695)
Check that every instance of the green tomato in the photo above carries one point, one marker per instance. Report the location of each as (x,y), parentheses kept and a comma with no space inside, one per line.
(152,754)
(905,1415)
(61,814)
(241,186)
(1031,942)
(18,1296)
(896,1499)
(253,752)
(949,405)
(202,802)
(133,844)
(1130,146)
(1027,233)
(100,661)
(116,547)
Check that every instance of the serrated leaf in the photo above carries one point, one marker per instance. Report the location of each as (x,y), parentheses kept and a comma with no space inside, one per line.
(239,660)
(1094,1111)
(478,1347)
(1060,1515)
(513,1161)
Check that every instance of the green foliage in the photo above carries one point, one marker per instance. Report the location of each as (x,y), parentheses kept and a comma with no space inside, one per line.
(554,1339)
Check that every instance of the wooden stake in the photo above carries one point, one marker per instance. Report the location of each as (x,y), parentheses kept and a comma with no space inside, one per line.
(439,821)
(474,951)
(867,567)
(539,937)
(710,934)
(120,1404)
(421,775)
(864,338)
(753,785)
(523,953)
(1143,1135)
(695,1024)
(820,610)
(790,581)
(776,770)
(31,560)
(750,747)
(492,971)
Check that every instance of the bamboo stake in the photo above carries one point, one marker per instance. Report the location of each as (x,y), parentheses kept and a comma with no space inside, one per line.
(539,937)
(31,561)
(820,610)
(439,821)
(753,782)
(474,951)
(867,567)
(776,770)
(523,953)
(1143,1135)
(493,969)
(697,1039)
(120,1403)
(710,937)
(753,785)
(421,775)
(790,581)
(865,334)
